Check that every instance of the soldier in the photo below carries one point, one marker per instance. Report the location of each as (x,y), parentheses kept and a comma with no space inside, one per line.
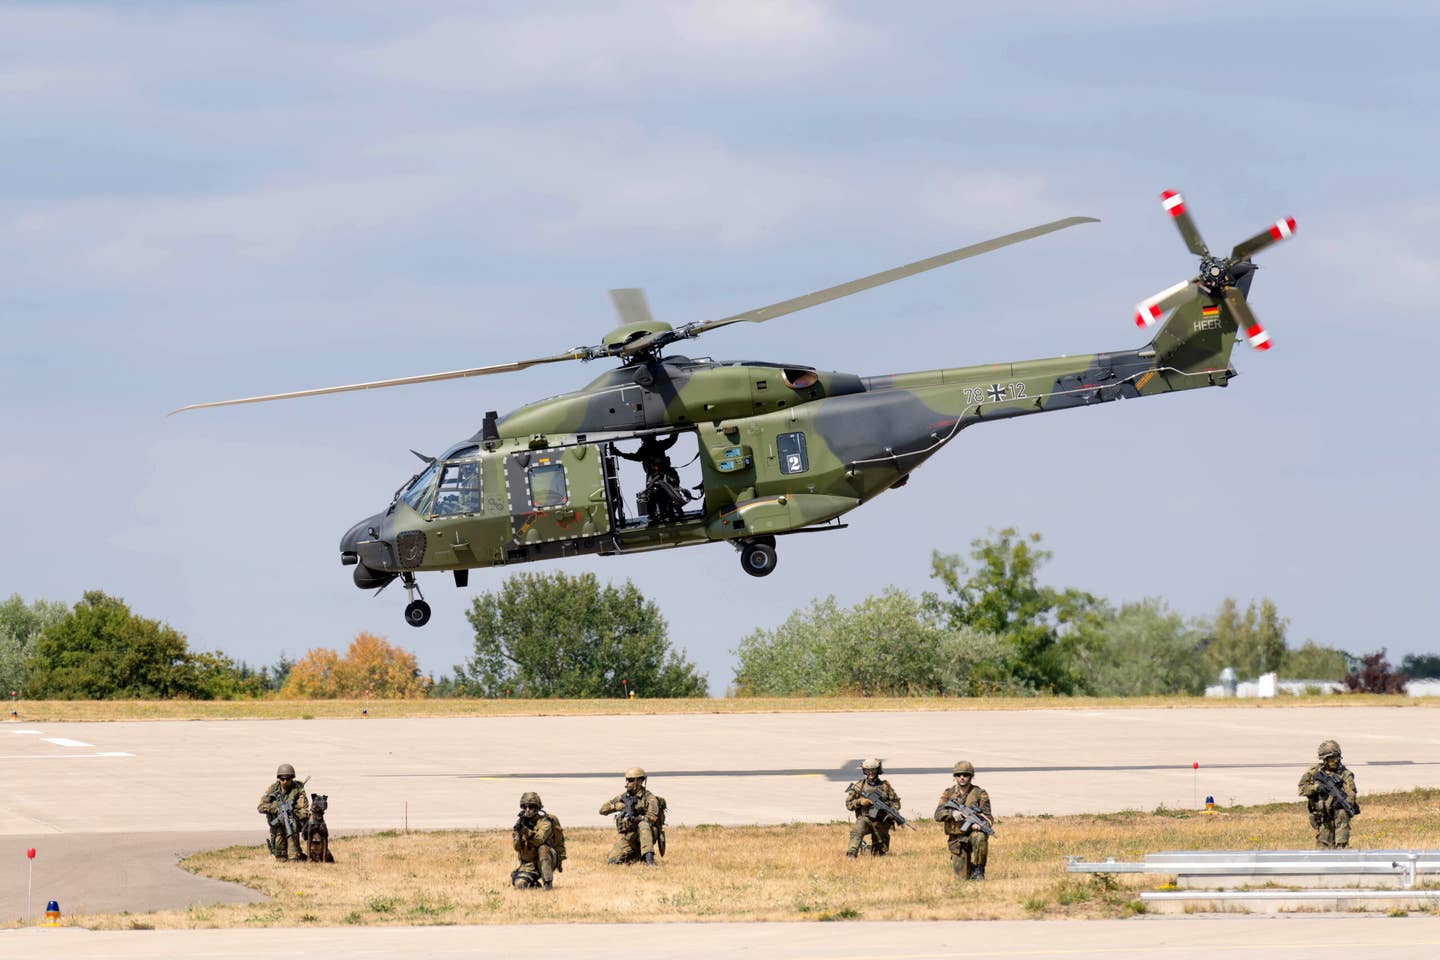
(640,821)
(285,793)
(869,822)
(969,847)
(539,843)
(1329,792)
(664,497)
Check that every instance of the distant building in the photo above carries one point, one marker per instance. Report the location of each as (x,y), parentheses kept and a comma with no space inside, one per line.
(1269,685)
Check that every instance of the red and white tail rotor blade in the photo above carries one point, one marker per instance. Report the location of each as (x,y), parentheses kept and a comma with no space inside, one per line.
(1175,205)
(1149,311)
(1281,229)
(1249,327)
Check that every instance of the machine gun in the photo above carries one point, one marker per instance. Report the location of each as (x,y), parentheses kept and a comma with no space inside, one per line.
(631,811)
(1331,786)
(878,804)
(969,815)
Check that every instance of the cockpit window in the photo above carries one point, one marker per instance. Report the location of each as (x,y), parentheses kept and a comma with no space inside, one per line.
(418,494)
(547,486)
(459,490)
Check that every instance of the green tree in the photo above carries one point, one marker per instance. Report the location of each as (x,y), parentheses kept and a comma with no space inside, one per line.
(1421,666)
(1253,643)
(100,650)
(885,645)
(1314,662)
(21,624)
(554,635)
(1144,649)
(1003,597)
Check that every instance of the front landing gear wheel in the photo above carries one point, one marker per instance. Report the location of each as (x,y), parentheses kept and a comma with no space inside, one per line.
(757,559)
(417,613)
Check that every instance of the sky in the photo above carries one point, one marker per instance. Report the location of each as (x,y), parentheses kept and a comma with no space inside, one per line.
(207,201)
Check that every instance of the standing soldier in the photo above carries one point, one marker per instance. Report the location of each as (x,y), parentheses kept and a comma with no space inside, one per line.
(640,821)
(1329,792)
(285,797)
(539,842)
(969,844)
(870,822)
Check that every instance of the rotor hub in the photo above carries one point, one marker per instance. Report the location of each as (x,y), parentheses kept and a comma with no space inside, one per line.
(1214,274)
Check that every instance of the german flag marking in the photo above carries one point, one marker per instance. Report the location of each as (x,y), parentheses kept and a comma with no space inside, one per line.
(1209,311)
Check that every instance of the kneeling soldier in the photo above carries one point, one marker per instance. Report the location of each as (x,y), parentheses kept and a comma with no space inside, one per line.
(540,844)
(286,808)
(639,819)
(870,822)
(968,840)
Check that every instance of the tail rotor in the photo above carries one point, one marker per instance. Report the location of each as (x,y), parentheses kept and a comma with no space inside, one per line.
(1224,279)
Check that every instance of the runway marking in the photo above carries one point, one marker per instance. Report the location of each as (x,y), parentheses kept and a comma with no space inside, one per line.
(65,756)
(850,771)
(23,732)
(66,742)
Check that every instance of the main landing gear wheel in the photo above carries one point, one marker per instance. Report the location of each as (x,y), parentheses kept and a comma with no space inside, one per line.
(757,559)
(417,613)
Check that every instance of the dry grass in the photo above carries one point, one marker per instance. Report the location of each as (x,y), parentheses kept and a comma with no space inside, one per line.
(794,872)
(32,711)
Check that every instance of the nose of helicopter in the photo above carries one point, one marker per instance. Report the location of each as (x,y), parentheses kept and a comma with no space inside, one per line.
(366,532)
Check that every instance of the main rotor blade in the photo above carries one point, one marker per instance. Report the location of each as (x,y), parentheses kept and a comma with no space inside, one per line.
(630,304)
(1250,327)
(1175,205)
(577,354)
(1277,231)
(761,314)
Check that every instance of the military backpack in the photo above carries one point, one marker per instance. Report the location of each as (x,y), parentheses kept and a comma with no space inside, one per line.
(557,841)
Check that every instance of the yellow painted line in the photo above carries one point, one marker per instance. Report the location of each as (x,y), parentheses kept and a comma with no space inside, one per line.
(1140,384)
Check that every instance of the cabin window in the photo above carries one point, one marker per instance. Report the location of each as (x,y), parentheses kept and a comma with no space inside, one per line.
(547,486)
(793,458)
(418,495)
(459,490)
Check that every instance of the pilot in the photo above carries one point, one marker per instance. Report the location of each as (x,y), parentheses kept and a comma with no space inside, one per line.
(664,497)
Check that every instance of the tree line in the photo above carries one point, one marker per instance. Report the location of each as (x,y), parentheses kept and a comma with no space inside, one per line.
(992,628)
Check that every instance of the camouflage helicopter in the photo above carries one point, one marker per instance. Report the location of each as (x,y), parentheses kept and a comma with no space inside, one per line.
(779,448)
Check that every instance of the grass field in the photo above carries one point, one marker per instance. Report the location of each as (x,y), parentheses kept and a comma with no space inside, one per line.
(106,710)
(793,872)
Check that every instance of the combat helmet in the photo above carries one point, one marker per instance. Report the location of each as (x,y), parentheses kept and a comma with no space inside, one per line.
(872,763)
(635,773)
(284,770)
(1327,748)
(530,797)
(962,766)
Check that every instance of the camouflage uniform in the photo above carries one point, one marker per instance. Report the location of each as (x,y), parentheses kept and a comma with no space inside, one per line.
(639,838)
(1329,820)
(293,790)
(969,848)
(867,824)
(532,841)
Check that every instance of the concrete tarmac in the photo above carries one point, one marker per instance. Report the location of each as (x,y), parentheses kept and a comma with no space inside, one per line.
(86,794)
(1171,938)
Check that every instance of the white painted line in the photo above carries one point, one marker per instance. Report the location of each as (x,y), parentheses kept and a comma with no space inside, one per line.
(22,732)
(63,756)
(66,742)
(115,753)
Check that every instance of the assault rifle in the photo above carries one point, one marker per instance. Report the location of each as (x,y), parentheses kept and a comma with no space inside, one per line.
(286,815)
(878,804)
(969,815)
(1331,786)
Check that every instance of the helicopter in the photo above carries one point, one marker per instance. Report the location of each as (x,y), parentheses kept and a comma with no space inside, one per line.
(781,449)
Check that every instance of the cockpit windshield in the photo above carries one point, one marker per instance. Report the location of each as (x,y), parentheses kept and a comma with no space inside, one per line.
(419,494)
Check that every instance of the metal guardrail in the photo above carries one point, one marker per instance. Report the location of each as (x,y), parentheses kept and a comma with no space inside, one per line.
(1408,865)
